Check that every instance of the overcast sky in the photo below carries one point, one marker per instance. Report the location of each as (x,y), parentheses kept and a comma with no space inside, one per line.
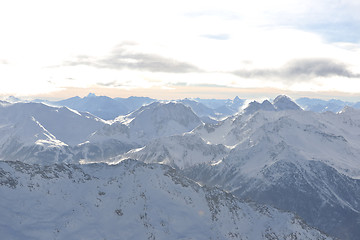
(176,49)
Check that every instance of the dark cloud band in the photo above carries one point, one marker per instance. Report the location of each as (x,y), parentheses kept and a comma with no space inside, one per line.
(121,58)
(304,69)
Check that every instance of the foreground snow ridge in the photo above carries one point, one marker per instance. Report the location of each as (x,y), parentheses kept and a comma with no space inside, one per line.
(131,200)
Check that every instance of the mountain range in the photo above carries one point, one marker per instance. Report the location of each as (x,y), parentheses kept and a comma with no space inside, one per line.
(130,200)
(109,108)
(218,174)
(276,154)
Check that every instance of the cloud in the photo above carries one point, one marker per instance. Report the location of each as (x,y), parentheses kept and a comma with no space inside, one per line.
(217,36)
(121,58)
(318,68)
(108,84)
(221,14)
(207,85)
(304,69)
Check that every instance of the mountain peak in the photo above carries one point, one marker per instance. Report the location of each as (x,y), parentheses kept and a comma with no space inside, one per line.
(283,102)
(236,99)
(256,106)
(91,95)
(13,99)
(163,112)
(280,103)
(159,119)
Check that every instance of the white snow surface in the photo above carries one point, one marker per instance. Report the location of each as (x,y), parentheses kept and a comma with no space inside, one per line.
(60,201)
(328,137)
(131,200)
(150,122)
(35,121)
(179,151)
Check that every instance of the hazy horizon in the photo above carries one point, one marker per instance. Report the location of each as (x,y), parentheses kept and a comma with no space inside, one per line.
(255,97)
(162,49)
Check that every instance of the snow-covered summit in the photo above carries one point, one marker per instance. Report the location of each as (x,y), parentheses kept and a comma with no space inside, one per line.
(205,113)
(159,112)
(256,106)
(158,120)
(13,99)
(283,102)
(34,131)
(138,128)
(280,103)
(91,95)
(103,106)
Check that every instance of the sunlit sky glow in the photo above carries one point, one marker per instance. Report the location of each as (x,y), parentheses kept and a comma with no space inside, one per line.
(177,49)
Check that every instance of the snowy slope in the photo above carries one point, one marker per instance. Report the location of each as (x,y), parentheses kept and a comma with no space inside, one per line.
(299,161)
(129,201)
(104,107)
(272,152)
(205,113)
(256,106)
(180,151)
(283,102)
(162,119)
(319,105)
(326,138)
(230,107)
(150,122)
(214,108)
(136,129)
(58,121)
(35,132)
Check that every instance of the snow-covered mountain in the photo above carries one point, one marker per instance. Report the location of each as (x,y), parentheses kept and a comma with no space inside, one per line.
(150,122)
(256,106)
(231,107)
(206,114)
(161,119)
(280,103)
(102,106)
(277,154)
(35,132)
(213,110)
(13,99)
(136,129)
(134,103)
(179,151)
(224,107)
(131,200)
(283,102)
(209,110)
(319,105)
(295,160)
(271,152)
